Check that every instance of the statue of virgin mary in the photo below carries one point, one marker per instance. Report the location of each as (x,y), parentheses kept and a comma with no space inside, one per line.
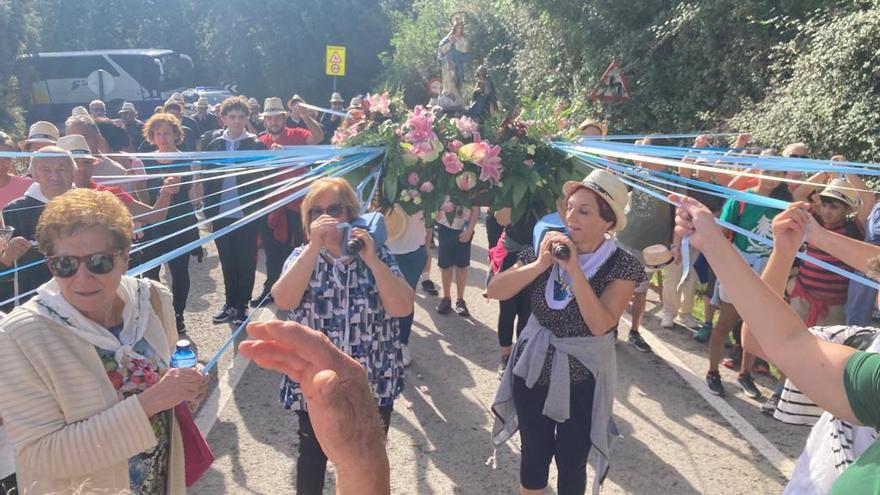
(452,54)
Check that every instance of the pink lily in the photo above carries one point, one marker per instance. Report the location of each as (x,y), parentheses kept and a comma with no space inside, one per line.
(467,126)
(490,165)
(452,163)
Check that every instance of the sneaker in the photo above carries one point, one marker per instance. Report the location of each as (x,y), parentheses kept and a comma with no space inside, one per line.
(713,380)
(240,316)
(461,308)
(181,326)
(635,338)
(429,287)
(748,386)
(503,365)
(668,321)
(688,321)
(703,333)
(407,355)
(225,314)
(256,302)
(769,407)
(445,306)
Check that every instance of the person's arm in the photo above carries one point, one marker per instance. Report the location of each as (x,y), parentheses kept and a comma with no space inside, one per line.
(341,404)
(601,314)
(504,285)
(816,367)
(853,252)
(315,130)
(802,191)
(290,287)
(159,211)
(468,233)
(395,293)
(866,197)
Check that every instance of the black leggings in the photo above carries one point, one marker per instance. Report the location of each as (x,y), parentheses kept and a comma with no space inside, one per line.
(516,310)
(311,464)
(542,438)
(179,269)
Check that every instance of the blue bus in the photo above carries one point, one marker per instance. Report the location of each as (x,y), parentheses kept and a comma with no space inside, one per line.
(55,82)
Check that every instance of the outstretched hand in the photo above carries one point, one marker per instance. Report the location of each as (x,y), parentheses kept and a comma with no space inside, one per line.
(790,228)
(695,221)
(341,405)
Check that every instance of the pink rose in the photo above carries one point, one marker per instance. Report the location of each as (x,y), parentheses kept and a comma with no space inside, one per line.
(454,146)
(529,163)
(427,187)
(452,163)
(413,178)
(467,126)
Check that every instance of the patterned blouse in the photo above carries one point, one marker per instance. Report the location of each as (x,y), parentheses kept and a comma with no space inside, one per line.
(568,322)
(342,301)
(148,470)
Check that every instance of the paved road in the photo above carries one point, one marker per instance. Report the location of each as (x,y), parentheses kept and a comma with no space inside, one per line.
(674,440)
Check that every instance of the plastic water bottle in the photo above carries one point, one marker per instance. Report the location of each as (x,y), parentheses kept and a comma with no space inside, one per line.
(183,357)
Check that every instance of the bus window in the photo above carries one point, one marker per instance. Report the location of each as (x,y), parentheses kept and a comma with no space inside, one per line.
(178,72)
(144,70)
(72,67)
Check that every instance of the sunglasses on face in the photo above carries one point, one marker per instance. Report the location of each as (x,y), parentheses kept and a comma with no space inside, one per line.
(797,156)
(334,211)
(66,266)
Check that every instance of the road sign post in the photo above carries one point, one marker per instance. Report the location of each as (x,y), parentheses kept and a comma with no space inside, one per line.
(335,63)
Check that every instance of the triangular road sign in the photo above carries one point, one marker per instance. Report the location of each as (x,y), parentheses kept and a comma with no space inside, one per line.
(335,58)
(613,85)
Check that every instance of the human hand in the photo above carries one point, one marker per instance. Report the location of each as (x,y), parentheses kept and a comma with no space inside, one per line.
(15,249)
(503,216)
(742,140)
(546,258)
(202,390)
(176,386)
(790,228)
(570,265)
(276,147)
(341,404)
(368,252)
(170,186)
(466,235)
(320,227)
(694,220)
(676,254)
(702,141)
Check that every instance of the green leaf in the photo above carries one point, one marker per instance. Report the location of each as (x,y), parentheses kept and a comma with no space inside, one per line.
(519,190)
(389,188)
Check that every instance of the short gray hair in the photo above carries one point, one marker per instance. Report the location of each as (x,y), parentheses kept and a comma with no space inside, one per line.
(51,149)
(86,121)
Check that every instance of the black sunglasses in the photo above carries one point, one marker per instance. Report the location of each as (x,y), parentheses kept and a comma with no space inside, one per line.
(798,156)
(67,266)
(334,211)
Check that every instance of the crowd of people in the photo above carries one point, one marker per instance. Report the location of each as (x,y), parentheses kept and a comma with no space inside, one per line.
(85,349)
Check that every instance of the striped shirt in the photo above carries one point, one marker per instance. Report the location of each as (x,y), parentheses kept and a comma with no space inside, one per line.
(821,283)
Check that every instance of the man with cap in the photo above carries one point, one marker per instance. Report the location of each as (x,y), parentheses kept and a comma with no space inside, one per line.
(97,109)
(53,176)
(206,120)
(281,230)
(40,135)
(255,123)
(128,117)
(329,121)
(82,177)
(85,126)
(294,118)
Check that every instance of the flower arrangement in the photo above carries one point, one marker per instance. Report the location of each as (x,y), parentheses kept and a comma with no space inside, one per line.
(437,163)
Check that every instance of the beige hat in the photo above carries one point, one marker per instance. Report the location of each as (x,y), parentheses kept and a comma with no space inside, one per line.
(273,106)
(395,223)
(603,129)
(80,110)
(609,188)
(178,97)
(657,257)
(127,107)
(6,140)
(336,98)
(77,146)
(356,102)
(841,190)
(41,132)
(202,102)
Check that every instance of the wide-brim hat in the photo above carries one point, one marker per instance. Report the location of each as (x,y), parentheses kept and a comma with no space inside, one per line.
(395,223)
(609,188)
(657,257)
(336,98)
(603,129)
(77,146)
(203,102)
(127,107)
(841,190)
(356,102)
(41,132)
(273,106)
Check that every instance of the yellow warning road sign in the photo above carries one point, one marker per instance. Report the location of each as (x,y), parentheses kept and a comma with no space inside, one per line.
(335,60)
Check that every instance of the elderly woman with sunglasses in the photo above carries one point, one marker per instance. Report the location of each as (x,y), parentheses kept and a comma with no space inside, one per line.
(353,299)
(86,392)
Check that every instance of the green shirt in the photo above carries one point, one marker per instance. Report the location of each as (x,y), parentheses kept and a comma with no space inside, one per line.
(756,219)
(861,378)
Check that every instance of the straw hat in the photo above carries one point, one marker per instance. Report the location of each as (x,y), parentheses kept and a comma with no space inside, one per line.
(79,110)
(609,188)
(395,223)
(356,102)
(603,129)
(273,106)
(202,103)
(657,257)
(42,132)
(127,107)
(336,98)
(77,146)
(841,190)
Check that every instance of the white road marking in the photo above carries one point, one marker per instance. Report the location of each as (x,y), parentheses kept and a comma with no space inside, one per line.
(758,441)
(216,402)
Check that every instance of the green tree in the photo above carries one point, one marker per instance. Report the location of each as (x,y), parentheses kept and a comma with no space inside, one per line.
(17,35)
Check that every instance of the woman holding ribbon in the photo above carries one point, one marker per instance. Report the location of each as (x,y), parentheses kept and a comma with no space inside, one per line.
(558,390)
(355,300)
(86,392)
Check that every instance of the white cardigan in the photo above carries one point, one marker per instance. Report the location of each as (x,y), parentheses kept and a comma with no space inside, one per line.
(70,431)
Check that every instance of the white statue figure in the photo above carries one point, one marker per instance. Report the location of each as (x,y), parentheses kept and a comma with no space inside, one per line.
(452,54)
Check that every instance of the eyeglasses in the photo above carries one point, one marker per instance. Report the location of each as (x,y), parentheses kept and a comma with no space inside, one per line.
(798,156)
(66,266)
(334,211)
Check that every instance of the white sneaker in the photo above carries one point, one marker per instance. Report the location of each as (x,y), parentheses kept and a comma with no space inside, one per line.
(667,321)
(407,356)
(688,321)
